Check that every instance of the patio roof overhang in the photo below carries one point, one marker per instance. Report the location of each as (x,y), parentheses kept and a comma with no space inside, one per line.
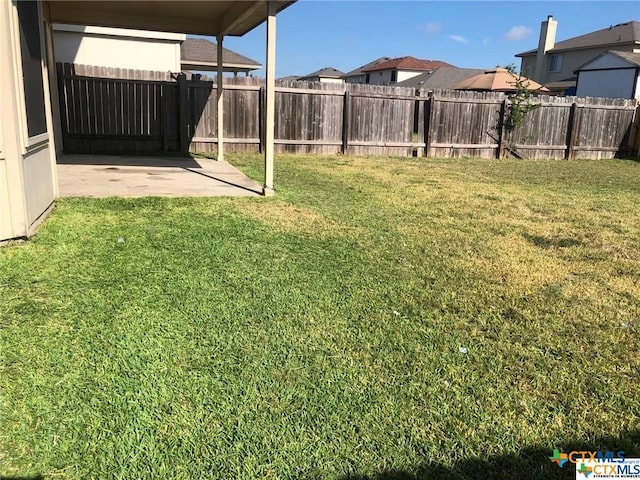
(217,18)
(201,17)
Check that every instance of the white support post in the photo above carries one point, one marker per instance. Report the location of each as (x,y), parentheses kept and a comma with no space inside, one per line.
(220,93)
(270,100)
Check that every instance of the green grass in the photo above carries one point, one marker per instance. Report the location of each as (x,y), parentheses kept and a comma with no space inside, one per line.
(318,333)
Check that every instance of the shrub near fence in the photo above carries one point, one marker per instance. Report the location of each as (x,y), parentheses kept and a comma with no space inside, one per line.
(151,111)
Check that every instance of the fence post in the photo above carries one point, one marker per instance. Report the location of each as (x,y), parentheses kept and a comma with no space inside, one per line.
(634,139)
(165,115)
(503,112)
(182,112)
(572,127)
(261,94)
(345,121)
(429,112)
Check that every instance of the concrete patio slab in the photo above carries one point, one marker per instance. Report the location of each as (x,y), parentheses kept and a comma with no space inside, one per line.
(121,176)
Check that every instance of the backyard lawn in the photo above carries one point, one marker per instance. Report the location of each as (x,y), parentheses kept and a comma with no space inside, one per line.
(378,318)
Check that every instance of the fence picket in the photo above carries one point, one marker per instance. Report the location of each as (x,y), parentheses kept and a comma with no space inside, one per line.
(144,112)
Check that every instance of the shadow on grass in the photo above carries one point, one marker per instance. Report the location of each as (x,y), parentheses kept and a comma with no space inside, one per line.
(544,242)
(34,477)
(529,464)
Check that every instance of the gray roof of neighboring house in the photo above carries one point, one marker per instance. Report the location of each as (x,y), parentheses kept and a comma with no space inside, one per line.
(632,58)
(199,52)
(359,70)
(289,77)
(623,33)
(443,77)
(327,72)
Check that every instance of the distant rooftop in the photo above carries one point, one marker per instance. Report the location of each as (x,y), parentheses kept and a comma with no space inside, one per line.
(360,70)
(443,77)
(408,63)
(327,72)
(623,33)
(201,54)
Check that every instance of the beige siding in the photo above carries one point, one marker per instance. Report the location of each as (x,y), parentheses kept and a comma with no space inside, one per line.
(607,61)
(331,80)
(571,60)
(6,223)
(383,77)
(406,75)
(380,77)
(356,79)
(108,48)
(27,169)
(38,182)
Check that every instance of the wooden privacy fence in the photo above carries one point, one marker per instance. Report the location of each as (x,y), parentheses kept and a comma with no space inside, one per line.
(151,111)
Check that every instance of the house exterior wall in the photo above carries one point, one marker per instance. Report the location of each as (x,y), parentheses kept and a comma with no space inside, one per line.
(331,80)
(406,75)
(119,48)
(571,60)
(356,79)
(606,61)
(618,83)
(11,198)
(322,79)
(28,183)
(383,77)
(380,77)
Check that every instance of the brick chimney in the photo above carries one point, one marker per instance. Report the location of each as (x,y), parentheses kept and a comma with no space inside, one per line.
(547,41)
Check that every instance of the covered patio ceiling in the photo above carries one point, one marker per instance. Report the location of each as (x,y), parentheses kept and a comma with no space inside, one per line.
(201,17)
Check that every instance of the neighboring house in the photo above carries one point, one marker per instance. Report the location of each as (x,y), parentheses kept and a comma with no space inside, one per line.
(441,78)
(611,74)
(289,78)
(324,75)
(142,50)
(202,55)
(117,47)
(358,75)
(399,69)
(553,63)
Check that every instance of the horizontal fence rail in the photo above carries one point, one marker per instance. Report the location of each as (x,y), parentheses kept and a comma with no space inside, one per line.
(106,110)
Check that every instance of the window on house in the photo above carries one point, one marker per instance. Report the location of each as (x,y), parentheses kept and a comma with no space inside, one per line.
(555,63)
(31,56)
(366,78)
(394,76)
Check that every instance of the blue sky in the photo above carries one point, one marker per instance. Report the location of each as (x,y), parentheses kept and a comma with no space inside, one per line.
(313,34)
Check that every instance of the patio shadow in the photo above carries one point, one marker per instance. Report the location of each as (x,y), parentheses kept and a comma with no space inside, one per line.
(170,161)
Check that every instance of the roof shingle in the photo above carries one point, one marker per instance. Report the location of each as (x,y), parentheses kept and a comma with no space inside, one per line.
(407,63)
(443,78)
(327,72)
(623,33)
(201,51)
(360,70)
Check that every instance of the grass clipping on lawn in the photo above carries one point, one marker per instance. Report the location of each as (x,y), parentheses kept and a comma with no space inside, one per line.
(378,318)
